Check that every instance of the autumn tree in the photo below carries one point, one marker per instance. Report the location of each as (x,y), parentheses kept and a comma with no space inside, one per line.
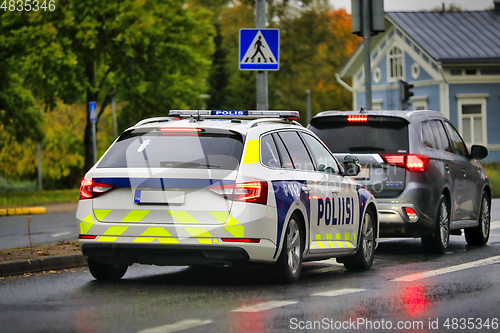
(153,54)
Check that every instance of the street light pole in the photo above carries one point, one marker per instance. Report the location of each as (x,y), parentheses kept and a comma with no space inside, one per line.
(366,45)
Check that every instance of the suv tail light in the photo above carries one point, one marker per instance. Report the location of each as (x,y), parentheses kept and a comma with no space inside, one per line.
(255,191)
(411,162)
(90,189)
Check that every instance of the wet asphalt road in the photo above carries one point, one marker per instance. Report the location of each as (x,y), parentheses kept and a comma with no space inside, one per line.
(243,300)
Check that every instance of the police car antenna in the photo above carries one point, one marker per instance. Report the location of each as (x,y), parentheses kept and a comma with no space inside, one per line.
(362,110)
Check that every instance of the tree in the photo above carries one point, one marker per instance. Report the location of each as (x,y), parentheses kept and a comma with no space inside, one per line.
(153,54)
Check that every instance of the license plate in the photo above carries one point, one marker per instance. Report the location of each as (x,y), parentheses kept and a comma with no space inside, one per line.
(159,197)
(364,174)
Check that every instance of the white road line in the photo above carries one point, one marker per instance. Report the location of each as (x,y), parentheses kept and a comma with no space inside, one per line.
(264,306)
(423,275)
(61,234)
(339,292)
(495,225)
(179,326)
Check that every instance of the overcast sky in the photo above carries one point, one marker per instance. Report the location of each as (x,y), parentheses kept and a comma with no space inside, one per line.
(417,5)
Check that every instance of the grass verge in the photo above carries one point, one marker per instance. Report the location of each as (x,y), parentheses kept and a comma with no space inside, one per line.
(25,199)
(40,251)
(493,172)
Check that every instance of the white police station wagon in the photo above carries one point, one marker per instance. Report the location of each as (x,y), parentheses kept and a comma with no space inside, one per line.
(223,187)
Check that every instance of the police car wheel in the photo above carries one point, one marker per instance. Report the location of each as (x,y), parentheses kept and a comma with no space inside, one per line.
(289,264)
(108,272)
(479,235)
(363,259)
(438,242)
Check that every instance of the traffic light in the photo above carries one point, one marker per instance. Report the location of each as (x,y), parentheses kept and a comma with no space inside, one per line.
(405,93)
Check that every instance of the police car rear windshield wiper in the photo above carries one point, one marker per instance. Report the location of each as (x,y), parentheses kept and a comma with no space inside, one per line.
(365,149)
(167,164)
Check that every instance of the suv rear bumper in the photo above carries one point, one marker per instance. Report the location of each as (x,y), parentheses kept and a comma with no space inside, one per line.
(394,222)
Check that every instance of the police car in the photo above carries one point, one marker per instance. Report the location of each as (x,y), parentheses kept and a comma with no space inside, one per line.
(224,187)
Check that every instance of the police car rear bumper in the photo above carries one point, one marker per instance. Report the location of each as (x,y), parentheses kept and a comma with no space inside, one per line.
(165,255)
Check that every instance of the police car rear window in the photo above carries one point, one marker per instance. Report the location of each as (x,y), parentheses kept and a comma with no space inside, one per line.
(387,136)
(157,149)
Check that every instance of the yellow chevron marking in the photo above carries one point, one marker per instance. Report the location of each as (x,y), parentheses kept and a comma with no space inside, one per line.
(143,240)
(318,236)
(215,240)
(85,227)
(115,231)
(156,231)
(337,236)
(198,232)
(312,245)
(182,216)
(321,245)
(354,237)
(136,215)
(330,243)
(151,239)
(168,240)
(106,239)
(88,219)
(340,244)
(204,240)
(252,153)
(328,236)
(346,236)
(349,244)
(220,216)
(101,214)
(234,227)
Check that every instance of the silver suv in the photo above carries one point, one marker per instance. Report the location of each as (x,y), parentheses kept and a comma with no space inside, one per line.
(426,182)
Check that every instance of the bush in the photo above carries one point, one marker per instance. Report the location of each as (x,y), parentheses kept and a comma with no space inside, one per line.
(7,186)
(493,172)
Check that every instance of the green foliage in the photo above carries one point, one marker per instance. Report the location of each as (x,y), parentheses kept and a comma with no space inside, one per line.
(493,172)
(38,198)
(153,54)
(7,186)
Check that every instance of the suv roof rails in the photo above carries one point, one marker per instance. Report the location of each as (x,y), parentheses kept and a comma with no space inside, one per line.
(256,122)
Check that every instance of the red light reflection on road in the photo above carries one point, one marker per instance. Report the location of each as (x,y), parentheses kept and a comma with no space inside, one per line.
(251,322)
(414,298)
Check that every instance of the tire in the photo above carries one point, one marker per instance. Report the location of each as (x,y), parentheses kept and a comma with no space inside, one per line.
(479,235)
(106,272)
(440,239)
(289,265)
(363,259)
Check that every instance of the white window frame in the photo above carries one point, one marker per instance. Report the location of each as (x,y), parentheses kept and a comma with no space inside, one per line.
(419,102)
(470,100)
(390,57)
(377,104)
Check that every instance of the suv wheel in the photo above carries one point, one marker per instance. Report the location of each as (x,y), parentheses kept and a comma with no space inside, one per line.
(289,264)
(479,235)
(363,259)
(438,242)
(108,272)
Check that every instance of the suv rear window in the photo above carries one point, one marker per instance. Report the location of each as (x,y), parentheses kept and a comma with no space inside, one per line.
(154,149)
(387,135)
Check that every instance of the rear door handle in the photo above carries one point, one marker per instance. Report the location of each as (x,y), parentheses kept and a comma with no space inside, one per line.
(334,190)
(447,167)
(464,172)
(306,189)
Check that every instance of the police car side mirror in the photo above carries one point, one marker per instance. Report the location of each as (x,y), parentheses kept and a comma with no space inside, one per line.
(321,167)
(351,166)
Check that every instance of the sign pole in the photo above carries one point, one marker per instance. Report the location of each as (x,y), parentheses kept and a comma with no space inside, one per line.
(260,23)
(366,43)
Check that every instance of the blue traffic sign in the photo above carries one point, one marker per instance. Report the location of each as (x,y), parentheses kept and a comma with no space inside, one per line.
(259,49)
(93,111)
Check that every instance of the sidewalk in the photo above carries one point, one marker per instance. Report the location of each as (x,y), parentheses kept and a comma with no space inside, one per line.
(44,262)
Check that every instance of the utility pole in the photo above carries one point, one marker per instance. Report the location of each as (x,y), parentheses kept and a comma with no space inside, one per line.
(260,23)
(308,106)
(115,123)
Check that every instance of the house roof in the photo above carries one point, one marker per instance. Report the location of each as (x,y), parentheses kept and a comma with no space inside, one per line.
(453,37)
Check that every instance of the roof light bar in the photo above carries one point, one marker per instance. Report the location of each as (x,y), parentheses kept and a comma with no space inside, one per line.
(242,114)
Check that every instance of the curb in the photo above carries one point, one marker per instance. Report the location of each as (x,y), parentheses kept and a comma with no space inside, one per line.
(43,264)
(22,211)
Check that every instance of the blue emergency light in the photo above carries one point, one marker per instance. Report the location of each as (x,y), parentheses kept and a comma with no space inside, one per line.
(241,114)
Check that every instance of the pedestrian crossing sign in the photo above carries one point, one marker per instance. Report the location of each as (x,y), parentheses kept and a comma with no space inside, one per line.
(259,49)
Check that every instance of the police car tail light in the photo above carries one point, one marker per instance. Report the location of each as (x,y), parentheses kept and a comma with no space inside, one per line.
(255,192)
(90,189)
(414,163)
(242,240)
(357,118)
(412,215)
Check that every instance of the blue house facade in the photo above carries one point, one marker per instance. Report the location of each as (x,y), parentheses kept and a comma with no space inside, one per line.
(453,61)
